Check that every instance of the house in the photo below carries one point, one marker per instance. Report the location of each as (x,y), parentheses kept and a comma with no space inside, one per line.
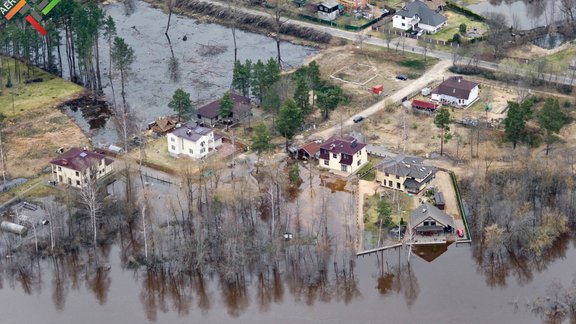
(457,92)
(427,220)
(329,10)
(163,125)
(424,105)
(417,16)
(192,140)
(343,154)
(308,151)
(404,173)
(209,112)
(74,166)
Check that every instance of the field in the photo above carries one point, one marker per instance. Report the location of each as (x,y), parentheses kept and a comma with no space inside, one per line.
(35,128)
(453,25)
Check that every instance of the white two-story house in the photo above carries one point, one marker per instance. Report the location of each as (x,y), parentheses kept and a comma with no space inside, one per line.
(74,166)
(456,92)
(192,140)
(417,16)
(343,154)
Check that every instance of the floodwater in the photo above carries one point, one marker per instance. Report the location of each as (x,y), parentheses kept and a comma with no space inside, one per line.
(205,77)
(449,289)
(522,13)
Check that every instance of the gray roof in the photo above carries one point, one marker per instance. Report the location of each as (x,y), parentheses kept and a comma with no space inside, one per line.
(191,132)
(425,211)
(427,16)
(330,3)
(406,166)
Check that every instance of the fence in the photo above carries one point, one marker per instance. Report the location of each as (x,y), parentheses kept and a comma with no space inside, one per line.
(345,27)
(428,40)
(460,205)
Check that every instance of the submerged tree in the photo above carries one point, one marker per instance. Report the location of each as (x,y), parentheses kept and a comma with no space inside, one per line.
(122,58)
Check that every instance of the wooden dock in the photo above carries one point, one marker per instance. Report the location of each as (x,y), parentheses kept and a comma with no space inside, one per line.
(378,249)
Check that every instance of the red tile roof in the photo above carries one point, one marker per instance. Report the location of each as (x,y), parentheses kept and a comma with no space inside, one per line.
(345,145)
(311,148)
(79,159)
(210,110)
(456,87)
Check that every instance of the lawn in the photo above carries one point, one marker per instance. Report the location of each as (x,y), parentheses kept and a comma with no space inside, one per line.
(562,58)
(27,97)
(453,25)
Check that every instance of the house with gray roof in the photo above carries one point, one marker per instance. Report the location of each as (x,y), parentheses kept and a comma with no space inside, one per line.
(405,173)
(427,220)
(192,140)
(418,16)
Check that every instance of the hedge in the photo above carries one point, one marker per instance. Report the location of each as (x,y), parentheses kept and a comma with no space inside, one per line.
(464,11)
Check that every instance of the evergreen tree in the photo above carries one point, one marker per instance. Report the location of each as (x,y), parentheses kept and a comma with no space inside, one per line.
(241,77)
(329,98)
(225,106)
(181,103)
(442,121)
(314,80)
(515,123)
(122,58)
(384,211)
(551,118)
(261,139)
(258,82)
(301,94)
(289,120)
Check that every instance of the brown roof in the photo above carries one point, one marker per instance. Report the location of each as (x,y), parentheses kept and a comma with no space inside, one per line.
(162,125)
(347,145)
(79,159)
(210,110)
(311,148)
(456,87)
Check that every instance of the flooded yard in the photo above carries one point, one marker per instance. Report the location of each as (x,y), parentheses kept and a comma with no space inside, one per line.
(522,14)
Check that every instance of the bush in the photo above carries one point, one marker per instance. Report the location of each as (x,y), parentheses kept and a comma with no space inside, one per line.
(564,89)
(462,28)
(456,38)
(567,104)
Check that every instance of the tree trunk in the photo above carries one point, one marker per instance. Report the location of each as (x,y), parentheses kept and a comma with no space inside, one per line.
(442,143)
(98,76)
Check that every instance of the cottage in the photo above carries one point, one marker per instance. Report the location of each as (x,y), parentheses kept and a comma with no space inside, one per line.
(343,154)
(329,10)
(162,125)
(457,92)
(404,173)
(209,112)
(417,16)
(427,220)
(192,140)
(74,166)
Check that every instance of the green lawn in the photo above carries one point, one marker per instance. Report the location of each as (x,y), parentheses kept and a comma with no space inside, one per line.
(28,97)
(563,58)
(453,25)
(349,20)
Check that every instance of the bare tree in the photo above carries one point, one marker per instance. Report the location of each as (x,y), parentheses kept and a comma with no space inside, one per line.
(279,21)
(91,196)
(233,8)
(388,37)
(568,9)
(498,33)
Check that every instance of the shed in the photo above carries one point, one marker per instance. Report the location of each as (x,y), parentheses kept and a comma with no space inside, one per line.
(309,151)
(377,89)
(439,200)
(425,105)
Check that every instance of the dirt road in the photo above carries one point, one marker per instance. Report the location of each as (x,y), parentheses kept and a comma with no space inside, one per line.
(435,73)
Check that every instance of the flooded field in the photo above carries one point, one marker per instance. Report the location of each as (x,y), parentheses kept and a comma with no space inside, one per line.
(523,14)
(204,76)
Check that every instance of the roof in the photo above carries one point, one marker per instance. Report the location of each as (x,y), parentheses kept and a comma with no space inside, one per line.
(427,16)
(406,166)
(210,110)
(347,145)
(80,159)
(329,3)
(439,198)
(311,148)
(191,132)
(457,87)
(424,104)
(427,210)
(162,124)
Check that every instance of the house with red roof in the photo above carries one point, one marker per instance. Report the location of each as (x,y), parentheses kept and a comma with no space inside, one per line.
(74,166)
(345,154)
(456,92)
(209,113)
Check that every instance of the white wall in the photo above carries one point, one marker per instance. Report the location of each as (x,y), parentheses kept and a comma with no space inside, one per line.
(195,150)
(334,162)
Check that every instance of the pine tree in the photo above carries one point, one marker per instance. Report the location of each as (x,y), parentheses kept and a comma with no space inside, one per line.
(181,103)
(442,121)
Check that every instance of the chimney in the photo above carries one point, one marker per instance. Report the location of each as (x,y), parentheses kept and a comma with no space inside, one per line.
(459,79)
(64,161)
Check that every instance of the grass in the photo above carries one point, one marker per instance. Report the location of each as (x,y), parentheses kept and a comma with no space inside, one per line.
(453,25)
(157,153)
(562,58)
(28,97)
(349,20)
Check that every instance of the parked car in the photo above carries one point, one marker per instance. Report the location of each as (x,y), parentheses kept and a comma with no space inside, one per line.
(401,77)
(358,119)
(414,33)
(395,231)
(460,232)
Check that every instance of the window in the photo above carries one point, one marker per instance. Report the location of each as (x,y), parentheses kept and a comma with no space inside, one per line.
(397,177)
(425,223)
(202,144)
(390,183)
(359,161)
(77,182)
(59,168)
(173,148)
(326,162)
(432,223)
(77,173)
(334,156)
(69,181)
(403,19)
(171,139)
(190,151)
(343,167)
(202,150)
(398,185)
(387,174)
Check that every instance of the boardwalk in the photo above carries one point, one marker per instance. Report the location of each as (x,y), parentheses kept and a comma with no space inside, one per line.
(378,249)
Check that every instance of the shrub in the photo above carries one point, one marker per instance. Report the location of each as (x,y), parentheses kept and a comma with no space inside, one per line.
(567,104)
(462,28)
(456,38)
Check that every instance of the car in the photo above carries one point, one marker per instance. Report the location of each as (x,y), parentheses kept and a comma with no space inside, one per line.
(395,231)
(414,33)
(358,119)
(401,77)
(460,232)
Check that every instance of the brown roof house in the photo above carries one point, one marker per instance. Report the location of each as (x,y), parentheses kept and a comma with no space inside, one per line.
(404,173)
(163,125)
(308,151)
(209,112)
(74,166)
(456,92)
(344,154)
